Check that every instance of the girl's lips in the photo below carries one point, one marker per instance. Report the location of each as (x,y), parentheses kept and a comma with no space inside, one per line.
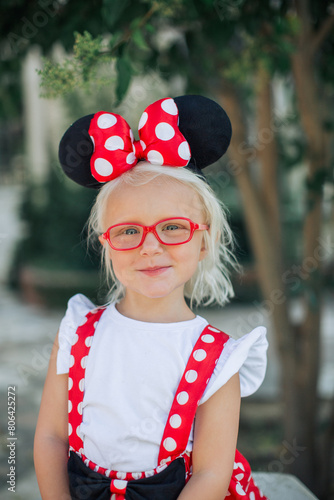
(154,271)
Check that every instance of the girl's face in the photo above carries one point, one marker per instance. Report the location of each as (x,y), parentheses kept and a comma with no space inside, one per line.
(155,270)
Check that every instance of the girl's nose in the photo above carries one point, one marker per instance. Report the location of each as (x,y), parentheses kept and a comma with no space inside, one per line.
(150,245)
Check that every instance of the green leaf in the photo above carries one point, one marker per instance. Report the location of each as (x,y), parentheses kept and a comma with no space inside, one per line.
(113,9)
(139,40)
(124,74)
(150,28)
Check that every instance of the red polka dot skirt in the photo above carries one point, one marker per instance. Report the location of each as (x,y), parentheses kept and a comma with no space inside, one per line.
(175,437)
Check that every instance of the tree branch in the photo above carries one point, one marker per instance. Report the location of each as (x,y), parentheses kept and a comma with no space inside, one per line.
(303,12)
(322,33)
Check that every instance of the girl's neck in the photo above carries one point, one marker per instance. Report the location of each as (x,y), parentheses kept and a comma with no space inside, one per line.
(159,310)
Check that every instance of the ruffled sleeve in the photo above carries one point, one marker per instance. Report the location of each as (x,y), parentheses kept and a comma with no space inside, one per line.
(77,308)
(246,355)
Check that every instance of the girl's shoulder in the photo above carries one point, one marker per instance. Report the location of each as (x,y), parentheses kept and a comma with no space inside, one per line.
(246,355)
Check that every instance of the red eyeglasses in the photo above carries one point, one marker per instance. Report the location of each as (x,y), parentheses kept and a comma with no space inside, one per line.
(175,231)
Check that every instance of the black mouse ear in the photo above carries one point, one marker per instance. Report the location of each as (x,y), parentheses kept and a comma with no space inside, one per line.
(206,127)
(75,150)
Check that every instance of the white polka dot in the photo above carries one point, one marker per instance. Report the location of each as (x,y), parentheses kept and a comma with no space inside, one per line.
(78,431)
(72,360)
(120,484)
(143,120)
(103,167)
(84,361)
(182,398)
(121,475)
(155,157)
(213,329)
(199,354)
(164,131)
(239,476)
(207,338)
(143,145)
(113,496)
(131,135)
(82,384)
(69,429)
(175,421)
(70,406)
(81,451)
(114,142)
(89,341)
(252,495)
(149,473)
(80,408)
(131,158)
(160,468)
(166,460)
(92,139)
(95,324)
(169,106)
(239,489)
(106,120)
(169,444)
(238,465)
(86,462)
(83,321)
(70,383)
(75,339)
(184,151)
(107,473)
(136,475)
(191,376)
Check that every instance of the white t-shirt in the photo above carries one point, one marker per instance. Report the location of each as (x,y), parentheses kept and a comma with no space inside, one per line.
(132,374)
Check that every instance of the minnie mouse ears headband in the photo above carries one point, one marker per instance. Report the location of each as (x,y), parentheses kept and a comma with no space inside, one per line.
(189,131)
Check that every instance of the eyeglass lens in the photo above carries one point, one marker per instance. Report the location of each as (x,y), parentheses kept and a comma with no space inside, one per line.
(173,231)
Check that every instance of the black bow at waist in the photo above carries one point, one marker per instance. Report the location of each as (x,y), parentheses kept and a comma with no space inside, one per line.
(85,484)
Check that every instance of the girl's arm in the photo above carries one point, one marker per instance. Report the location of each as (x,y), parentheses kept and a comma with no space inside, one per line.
(215,437)
(51,437)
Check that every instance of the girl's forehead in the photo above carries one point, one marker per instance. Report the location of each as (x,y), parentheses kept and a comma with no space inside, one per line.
(156,198)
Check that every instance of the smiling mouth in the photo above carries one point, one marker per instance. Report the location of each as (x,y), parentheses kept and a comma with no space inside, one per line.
(154,271)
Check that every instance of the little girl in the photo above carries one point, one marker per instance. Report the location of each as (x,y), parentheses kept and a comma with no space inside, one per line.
(142,397)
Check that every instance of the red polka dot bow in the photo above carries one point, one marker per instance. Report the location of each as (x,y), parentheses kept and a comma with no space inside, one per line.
(160,141)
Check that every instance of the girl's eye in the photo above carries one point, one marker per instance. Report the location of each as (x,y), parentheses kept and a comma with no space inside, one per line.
(171,227)
(130,231)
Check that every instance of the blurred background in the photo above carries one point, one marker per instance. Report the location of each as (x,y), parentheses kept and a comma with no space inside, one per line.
(270,64)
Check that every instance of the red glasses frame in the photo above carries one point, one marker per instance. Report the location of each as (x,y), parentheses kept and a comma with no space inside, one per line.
(152,229)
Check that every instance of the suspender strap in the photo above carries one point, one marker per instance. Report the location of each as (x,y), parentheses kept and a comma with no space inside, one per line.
(199,369)
(76,376)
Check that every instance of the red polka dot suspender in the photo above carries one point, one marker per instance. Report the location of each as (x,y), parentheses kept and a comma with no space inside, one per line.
(76,378)
(195,378)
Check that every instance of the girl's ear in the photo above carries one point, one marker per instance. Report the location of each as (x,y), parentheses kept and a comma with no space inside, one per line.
(107,248)
(204,251)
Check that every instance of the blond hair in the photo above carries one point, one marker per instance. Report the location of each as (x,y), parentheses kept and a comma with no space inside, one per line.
(211,282)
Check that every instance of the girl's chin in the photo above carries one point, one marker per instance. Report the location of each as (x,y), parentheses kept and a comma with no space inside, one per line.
(158,292)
